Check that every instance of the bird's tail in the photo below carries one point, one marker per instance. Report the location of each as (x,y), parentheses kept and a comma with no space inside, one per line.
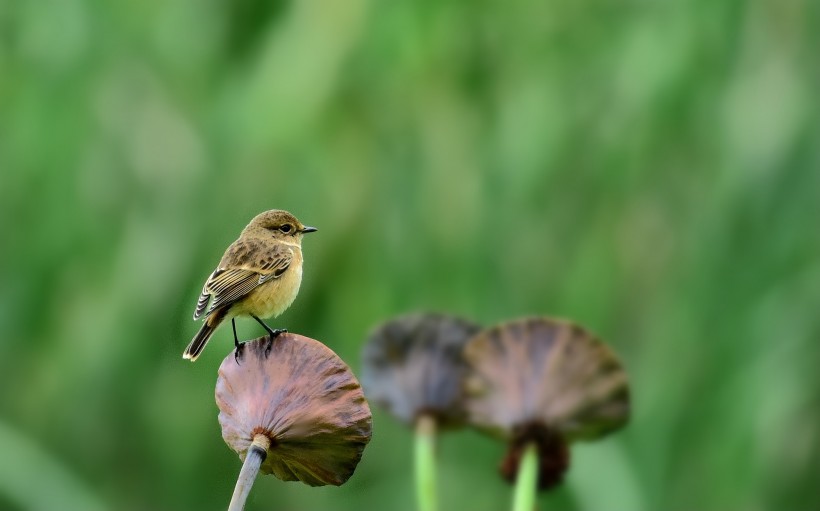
(203,336)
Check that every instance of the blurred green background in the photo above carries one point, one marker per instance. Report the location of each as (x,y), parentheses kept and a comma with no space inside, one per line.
(648,169)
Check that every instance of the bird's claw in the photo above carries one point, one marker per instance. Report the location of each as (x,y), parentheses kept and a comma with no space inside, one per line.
(273,335)
(238,351)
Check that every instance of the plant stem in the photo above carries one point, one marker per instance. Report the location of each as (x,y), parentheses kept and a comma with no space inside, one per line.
(256,454)
(425,463)
(524,496)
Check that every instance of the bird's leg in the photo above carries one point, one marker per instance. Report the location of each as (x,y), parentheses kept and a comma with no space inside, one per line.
(238,351)
(272,334)
(235,338)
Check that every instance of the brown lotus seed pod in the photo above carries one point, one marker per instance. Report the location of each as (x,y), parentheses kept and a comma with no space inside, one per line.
(413,367)
(545,371)
(304,399)
(547,382)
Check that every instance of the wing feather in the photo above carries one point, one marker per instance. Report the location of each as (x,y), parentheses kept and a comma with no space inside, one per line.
(227,285)
(235,285)
(204,297)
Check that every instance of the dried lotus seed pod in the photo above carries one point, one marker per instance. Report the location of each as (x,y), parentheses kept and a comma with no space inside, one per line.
(413,366)
(545,382)
(304,399)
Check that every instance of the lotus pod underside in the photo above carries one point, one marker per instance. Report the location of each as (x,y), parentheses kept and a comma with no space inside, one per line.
(545,371)
(301,395)
(413,365)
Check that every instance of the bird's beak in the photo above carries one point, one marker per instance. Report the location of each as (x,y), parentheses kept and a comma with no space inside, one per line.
(309,229)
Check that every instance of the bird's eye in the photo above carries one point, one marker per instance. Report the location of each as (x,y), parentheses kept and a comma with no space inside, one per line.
(285,228)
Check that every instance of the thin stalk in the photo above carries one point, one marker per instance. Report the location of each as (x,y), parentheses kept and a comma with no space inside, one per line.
(524,496)
(256,454)
(425,463)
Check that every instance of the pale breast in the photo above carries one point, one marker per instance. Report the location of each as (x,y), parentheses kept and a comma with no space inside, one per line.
(273,297)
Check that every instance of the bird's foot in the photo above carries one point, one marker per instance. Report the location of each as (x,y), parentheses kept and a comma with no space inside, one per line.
(238,351)
(273,335)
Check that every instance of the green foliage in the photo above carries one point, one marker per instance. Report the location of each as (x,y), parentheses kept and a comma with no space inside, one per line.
(649,169)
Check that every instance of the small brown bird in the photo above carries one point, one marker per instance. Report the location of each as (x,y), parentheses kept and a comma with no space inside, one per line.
(259,276)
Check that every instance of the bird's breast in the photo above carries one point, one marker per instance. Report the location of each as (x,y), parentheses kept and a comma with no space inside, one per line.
(273,297)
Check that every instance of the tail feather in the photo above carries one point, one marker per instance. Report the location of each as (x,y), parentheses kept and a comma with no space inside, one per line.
(202,337)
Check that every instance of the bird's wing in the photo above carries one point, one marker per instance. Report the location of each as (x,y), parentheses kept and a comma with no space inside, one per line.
(258,264)
(204,298)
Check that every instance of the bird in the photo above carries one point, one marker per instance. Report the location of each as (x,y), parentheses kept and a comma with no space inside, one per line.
(259,276)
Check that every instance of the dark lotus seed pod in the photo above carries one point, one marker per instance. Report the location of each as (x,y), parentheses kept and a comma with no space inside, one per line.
(413,366)
(302,397)
(547,382)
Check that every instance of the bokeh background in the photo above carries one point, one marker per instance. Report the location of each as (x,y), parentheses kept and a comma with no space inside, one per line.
(648,169)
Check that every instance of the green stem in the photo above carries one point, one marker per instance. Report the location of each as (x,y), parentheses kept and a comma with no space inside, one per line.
(256,454)
(425,463)
(524,496)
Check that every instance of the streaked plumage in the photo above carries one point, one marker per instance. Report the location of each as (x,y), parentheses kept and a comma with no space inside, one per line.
(259,275)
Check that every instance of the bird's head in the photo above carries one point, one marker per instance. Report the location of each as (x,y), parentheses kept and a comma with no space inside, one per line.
(278,223)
